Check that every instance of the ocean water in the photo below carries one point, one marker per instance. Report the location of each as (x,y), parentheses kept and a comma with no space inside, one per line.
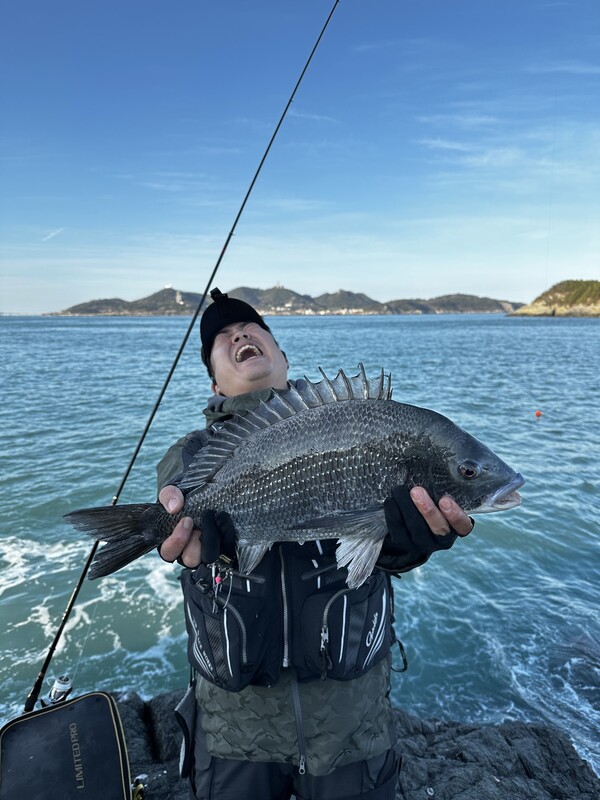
(503,626)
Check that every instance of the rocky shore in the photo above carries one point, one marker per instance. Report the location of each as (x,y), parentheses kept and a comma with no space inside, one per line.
(440,759)
(574,298)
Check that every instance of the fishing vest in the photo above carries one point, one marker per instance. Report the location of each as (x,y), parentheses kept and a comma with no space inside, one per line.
(294,610)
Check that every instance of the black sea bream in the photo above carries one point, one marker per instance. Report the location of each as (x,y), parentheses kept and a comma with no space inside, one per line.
(314,462)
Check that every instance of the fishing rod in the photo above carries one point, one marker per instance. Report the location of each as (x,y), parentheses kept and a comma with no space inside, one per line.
(37,687)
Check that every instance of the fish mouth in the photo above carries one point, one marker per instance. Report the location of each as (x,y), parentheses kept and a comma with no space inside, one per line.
(246,352)
(506,497)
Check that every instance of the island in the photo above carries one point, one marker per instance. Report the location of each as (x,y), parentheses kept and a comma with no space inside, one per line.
(284,302)
(576,298)
(571,298)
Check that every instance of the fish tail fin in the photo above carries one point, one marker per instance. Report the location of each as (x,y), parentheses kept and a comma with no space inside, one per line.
(127,531)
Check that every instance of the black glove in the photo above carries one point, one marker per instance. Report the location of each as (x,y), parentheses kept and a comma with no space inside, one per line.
(409,541)
(217,538)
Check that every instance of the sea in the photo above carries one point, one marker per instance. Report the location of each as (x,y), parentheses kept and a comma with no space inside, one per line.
(504,626)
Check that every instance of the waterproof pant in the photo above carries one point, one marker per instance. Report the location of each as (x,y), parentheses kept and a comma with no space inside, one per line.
(222,779)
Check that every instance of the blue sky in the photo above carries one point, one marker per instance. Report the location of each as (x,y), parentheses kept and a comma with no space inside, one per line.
(433,147)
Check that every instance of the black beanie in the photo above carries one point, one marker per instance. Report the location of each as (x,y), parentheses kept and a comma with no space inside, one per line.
(224,311)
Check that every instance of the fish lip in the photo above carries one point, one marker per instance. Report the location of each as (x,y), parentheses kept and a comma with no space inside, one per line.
(507,496)
(247,345)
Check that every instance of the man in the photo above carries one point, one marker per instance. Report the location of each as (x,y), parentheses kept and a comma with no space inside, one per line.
(273,713)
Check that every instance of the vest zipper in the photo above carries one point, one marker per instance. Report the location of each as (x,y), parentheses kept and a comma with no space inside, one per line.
(227,607)
(285,613)
(299,727)
(286,663)
(326,662)
(224,603)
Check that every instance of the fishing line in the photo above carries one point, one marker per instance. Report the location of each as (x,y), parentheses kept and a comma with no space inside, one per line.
(34,694)
(89,630)
(552,181)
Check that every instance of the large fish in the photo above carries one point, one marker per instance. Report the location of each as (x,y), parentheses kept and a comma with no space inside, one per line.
(314,462)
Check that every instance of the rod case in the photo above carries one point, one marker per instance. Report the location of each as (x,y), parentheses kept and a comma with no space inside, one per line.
(74,749)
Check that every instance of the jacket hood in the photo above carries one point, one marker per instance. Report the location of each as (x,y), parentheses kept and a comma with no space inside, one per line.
(220,408)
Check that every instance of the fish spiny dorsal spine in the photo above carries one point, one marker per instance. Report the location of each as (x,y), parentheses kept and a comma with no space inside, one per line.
(283,405)
(359,387)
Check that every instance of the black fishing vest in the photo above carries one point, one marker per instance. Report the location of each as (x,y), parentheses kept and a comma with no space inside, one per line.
(294,610)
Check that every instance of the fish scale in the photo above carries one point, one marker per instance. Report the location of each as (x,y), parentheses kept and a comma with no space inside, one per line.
(315,462)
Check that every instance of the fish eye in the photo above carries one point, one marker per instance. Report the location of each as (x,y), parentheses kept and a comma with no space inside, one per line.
(468,470)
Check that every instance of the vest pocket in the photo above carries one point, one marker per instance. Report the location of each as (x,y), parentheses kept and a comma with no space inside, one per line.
(228,632)
(348,631)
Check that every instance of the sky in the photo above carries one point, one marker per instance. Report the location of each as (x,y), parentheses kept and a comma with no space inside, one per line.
(433,147)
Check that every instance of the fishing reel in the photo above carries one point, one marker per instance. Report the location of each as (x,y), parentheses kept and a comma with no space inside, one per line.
(60,690)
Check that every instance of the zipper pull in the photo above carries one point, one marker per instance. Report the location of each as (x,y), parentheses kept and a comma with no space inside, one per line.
(324,637)
(302,765)
(325,658)
(215,585)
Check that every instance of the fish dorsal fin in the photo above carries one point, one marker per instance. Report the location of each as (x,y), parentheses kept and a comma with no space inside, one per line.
(284,404)
(358,387)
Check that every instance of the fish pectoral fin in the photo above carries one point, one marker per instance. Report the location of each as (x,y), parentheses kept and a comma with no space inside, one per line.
(249,556)
(365,521)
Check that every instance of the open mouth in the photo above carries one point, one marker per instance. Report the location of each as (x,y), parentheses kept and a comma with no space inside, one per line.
(246,352)
(507,497)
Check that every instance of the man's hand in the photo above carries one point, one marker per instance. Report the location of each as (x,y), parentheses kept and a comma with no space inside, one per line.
(184,543)
(417,527)
(441,520)
(190,546)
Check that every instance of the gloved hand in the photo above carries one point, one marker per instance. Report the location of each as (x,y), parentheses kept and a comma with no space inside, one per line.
(409,541)
(217,537)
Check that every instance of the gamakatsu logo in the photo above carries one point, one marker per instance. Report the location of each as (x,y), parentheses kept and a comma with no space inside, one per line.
(371,633)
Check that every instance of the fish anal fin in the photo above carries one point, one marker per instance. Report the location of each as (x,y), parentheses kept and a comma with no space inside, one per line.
(360,557)
(249,556)
(360,535)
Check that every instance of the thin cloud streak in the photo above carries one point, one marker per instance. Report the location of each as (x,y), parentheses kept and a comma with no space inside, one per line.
(52,234)
(313,117)
(565,67)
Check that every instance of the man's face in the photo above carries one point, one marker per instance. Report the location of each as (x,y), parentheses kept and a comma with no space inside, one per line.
(245,357)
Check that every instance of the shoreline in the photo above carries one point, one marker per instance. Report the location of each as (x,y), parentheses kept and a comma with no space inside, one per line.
(579,314)
(440,758)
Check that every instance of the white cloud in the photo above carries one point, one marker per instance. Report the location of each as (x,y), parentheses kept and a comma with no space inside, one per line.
(565,67)
(314,117)
(446,144)
(52,234)
(460,120)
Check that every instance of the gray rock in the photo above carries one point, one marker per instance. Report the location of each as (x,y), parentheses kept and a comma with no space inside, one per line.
(513,761)
(153,742)
(440,759)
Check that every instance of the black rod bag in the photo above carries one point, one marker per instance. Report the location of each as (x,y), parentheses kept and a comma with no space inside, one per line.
(74,749)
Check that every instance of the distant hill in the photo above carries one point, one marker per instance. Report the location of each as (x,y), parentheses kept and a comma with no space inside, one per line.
(167,302)
(278,300)
(566,299)
(352,302)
